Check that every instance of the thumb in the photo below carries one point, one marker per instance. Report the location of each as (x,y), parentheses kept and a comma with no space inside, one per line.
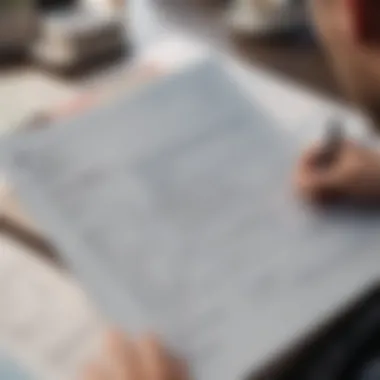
(314,182)
(323,186)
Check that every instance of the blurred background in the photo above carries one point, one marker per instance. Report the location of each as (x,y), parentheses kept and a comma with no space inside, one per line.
(58,48)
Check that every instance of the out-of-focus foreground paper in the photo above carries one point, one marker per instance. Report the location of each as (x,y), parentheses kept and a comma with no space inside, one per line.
(48,327)
(175,207)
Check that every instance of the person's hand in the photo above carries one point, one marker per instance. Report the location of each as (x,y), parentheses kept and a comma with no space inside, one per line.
(354,175)
(142,359)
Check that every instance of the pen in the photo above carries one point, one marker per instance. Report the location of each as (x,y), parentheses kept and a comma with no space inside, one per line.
(333,143)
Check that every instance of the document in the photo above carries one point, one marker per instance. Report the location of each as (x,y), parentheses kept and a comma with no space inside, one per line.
(175,207)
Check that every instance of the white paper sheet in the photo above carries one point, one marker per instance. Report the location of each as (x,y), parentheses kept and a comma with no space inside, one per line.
(175,207)
(47,324)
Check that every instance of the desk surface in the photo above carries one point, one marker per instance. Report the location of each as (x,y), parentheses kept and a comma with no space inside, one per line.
(304,64)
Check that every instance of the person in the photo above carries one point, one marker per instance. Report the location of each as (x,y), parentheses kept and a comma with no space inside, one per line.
(354,175)
(355,58)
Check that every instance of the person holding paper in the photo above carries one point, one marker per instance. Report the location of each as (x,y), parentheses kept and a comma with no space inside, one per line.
(349,31)
(354,173)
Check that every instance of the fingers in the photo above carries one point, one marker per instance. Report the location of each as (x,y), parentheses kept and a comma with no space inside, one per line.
(310,181)
(321,184)
(94,372)
(122,359)
(311,157)
(315,188)
(157,363)
(143,359)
